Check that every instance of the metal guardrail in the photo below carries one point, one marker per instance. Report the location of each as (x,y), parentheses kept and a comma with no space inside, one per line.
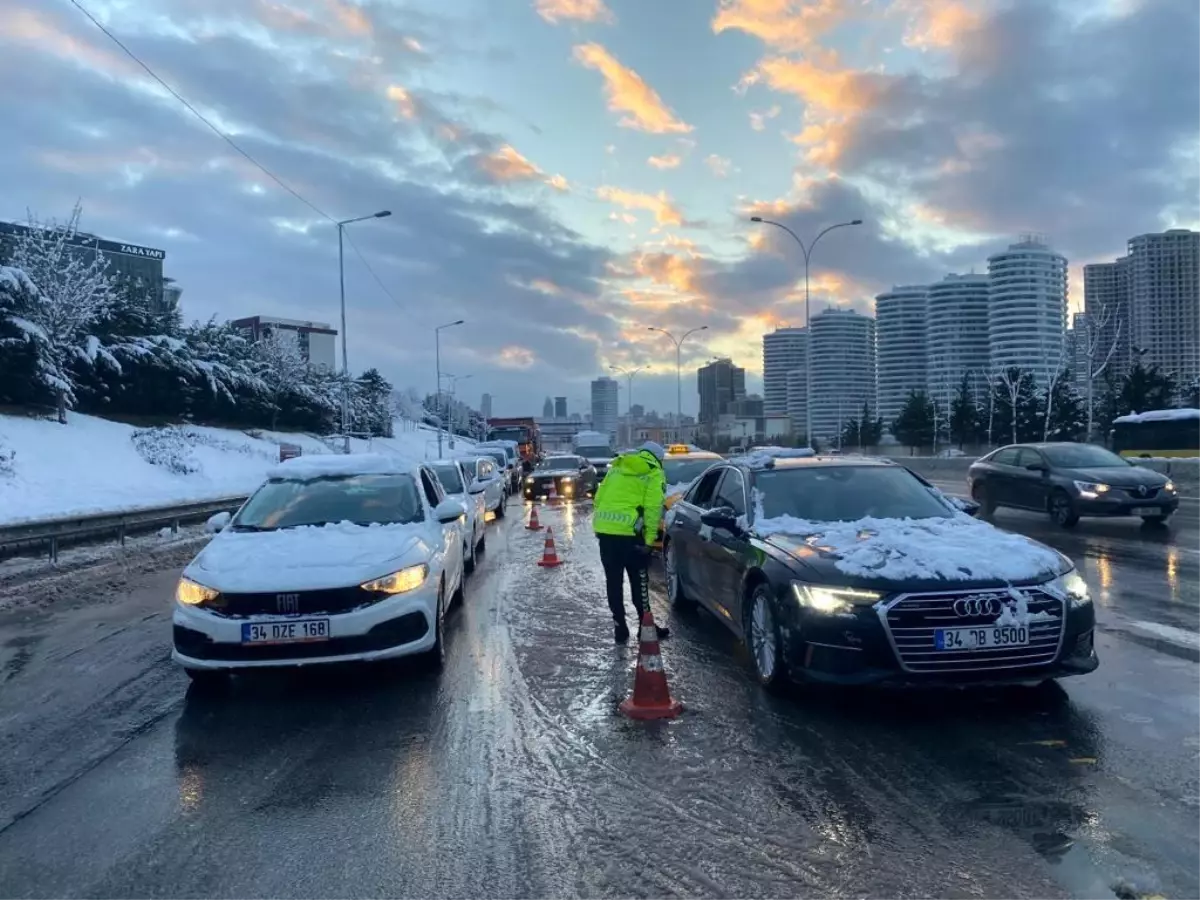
(55,533)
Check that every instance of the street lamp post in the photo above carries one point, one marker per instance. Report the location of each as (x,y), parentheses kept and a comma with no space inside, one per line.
(437,351)
(808,354)
(382,214)
(454,380)
(678,367)
(628,373)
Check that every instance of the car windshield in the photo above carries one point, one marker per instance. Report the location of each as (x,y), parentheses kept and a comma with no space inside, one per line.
(559,462)
(846,493)
(498,456)
(681,471)
(362,499)
(450,479)
(1082,456)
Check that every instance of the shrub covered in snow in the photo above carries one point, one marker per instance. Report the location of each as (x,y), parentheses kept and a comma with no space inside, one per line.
(169,447)
(8,460)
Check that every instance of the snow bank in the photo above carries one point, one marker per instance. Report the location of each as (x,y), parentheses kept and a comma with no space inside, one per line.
(956,548)
(93,465)
(1160,415)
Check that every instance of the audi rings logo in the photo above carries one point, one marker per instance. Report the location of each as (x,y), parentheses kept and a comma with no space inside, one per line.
(977,606)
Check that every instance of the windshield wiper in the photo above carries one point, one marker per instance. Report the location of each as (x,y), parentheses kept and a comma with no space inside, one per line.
(242,527)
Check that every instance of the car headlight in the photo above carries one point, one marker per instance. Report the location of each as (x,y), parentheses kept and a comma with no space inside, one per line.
(1169,487)
(529,480)
(192,593)
(832,600)
(1073,587)
(399,582)
(1092,489)
(567,479)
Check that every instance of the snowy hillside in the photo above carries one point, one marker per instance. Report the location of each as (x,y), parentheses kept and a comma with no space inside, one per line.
(95,465)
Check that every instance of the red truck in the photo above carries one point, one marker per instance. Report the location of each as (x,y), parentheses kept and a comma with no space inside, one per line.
(524,431)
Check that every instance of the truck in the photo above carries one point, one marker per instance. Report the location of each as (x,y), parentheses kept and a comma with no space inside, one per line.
(596,448)
(523,430)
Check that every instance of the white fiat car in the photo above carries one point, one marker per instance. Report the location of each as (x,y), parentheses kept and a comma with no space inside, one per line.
(333,559)
(459,484)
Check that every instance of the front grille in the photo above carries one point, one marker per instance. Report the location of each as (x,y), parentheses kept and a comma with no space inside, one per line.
(296,603)
(1148,493)
(911,620)
(542,485)
(393,633)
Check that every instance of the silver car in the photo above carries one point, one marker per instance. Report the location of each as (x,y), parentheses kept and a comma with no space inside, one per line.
(487,472)
(460,484)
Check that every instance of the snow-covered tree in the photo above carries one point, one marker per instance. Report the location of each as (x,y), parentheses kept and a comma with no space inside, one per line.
(371,409)
(1097,353)
(74,293)
(282,369)
(1064,413)
(1015,405)
(31,374)
(1050,391)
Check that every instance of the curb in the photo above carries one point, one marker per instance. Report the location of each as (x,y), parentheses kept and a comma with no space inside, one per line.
(1154,642)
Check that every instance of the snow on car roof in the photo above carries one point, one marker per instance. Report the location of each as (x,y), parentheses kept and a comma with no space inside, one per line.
(302,468)
(1160,415)
(764,457)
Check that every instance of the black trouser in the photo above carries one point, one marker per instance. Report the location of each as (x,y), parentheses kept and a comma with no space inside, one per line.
(620,554)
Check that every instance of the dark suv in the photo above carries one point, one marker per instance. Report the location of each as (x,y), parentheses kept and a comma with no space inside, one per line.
(1070,480)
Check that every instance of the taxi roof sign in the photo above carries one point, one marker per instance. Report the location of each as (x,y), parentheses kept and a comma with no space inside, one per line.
(679,448)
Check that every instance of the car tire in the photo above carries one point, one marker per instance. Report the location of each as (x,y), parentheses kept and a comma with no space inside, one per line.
(677,597)
(763,639)
(208,679)
(469,556)
(482,545)
(500,508)
(981,495)
(1155,521)
(460,594)
(1062,510)
(435,656)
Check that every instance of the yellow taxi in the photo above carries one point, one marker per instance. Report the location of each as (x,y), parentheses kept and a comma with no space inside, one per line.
(682,465)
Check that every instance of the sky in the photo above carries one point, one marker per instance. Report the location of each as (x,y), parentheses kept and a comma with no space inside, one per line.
(565,175)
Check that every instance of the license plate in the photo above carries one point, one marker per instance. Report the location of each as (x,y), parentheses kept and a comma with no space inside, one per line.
(1147,511)
(982,638)
(297,632)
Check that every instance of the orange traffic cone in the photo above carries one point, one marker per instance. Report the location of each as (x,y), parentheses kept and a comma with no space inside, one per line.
(534,524)
(651,697)
(549,556)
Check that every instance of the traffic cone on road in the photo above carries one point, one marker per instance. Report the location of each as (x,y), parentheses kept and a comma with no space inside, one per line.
(534,524)
(651,697)
(549,556)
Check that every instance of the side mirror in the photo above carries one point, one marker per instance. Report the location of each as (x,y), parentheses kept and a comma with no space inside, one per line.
(449,511)
(478,486)
(970,507)
(217,522)
(1036,467)
(721,517)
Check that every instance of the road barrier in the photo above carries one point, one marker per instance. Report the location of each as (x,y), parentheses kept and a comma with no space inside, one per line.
(1184,472)
(54,534)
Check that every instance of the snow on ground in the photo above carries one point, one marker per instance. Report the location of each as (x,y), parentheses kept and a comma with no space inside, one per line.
(93,465)
(1160,415)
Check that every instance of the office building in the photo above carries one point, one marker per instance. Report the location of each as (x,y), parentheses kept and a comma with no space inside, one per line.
(604,406)
(1106,303)
(548,409)
(1164,301)
(560,407)
(720,383)
(843,371)
(485,406)
(316,341)
(751,406)
(956,336)
(1027,308)
(130,265)
(783,352)
(900,346)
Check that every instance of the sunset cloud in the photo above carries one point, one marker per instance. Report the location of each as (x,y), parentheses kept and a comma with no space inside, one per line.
(402,101)
(938,24)
(786,25)
(758,120)
(666,161)
(507,164)
(664,210)
(627,93)
(577,10)
(514,357)
(719,165)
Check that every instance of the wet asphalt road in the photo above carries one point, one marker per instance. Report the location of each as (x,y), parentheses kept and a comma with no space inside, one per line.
(511,775)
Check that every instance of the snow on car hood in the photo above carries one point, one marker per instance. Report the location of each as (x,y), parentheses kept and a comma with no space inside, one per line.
(556,473)
(308,558)
(956,548)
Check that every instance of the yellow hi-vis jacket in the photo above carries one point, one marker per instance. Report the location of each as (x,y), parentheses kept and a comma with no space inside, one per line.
(629,500)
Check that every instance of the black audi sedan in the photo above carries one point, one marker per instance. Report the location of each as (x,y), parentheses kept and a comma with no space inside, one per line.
(1069,480)
(560,478)
(857,571)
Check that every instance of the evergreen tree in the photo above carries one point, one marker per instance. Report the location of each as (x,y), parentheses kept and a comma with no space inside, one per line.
(1067,413)
(1016,409)
(965,420)
(1144,388)
(914,426)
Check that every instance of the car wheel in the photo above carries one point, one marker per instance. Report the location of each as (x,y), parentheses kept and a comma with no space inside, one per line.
(482,545)
(500,508)
(762,634)
(981,495)
(675,593)
(208,679)
(460,593)
(1155,521)
(469,555)
(1062,511)
(435,656)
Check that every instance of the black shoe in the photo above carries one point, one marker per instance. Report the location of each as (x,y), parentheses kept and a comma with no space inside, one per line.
(663,633)
(621,632)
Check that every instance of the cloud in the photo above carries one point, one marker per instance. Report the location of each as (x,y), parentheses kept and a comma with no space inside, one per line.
(578,10)
(665,161)
(939,24)
(514,357)
(758,120)
(627,93)
(719,165)
(507,165)
(786,25)
(664,210)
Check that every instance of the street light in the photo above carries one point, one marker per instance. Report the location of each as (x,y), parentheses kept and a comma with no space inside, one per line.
(628,373)
(678,368)
(454,379)
(807,251)
(382,214)
(437,344)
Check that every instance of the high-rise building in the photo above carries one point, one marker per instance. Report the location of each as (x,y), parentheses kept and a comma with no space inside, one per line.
(720,383)
(316,341)
(560,407)
(900,346)
(485,406)
(783,352)
(956,336)
(797,399)
(843,371)
(1164,301)
(604,406)
(548,409)
(1027,308)
(1106,302)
